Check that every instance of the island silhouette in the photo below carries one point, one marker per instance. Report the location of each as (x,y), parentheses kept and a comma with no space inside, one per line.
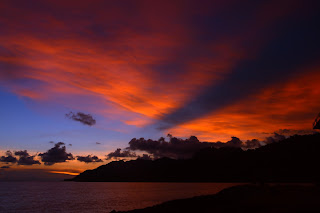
(294,159)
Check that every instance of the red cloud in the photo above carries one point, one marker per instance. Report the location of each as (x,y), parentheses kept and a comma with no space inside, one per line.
(143,60)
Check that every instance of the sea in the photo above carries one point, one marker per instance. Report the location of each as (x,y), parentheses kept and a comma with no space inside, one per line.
(96,196)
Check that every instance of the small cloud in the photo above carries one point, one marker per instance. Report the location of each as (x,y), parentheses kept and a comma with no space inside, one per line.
(234,142)
(57,154)
(28,161)
(252,144)
(8,158)
(275,138)
(25,158)
(69,144)
(145,157)
(118,154)
(98,143)
(5,167)
(21,153)
(60,143)
(89,159)
(83,118)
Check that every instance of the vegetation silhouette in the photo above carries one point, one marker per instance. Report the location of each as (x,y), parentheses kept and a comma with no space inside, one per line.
(295,159)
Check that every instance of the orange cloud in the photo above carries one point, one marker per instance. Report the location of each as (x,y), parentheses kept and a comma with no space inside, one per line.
(138,65)
(288,105)
(64,172)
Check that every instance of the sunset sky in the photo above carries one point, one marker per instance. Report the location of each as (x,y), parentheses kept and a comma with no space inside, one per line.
(213,69)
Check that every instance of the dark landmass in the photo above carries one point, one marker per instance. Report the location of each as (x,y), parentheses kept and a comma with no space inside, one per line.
(295,159)
(246,198)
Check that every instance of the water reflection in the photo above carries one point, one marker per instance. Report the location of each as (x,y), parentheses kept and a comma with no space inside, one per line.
(95,197)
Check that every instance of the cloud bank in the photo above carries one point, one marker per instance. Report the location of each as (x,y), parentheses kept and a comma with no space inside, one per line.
(24,158)
(185,148)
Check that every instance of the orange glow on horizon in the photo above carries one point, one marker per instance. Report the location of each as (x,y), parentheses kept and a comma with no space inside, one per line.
(64,172)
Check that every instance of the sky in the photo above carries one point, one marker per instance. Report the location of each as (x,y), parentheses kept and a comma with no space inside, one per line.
(214,69)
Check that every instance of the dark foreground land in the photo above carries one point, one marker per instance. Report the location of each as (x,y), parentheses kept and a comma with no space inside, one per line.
(246,198)
(295,159)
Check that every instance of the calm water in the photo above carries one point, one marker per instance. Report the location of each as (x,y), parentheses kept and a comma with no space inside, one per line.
(95,197)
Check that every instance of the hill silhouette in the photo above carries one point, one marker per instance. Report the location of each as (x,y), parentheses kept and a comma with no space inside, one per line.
(294,159)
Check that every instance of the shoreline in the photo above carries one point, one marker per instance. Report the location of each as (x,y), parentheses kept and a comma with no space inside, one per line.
(274,197)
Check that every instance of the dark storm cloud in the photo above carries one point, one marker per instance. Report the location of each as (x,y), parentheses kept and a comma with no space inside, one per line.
(8,158)
(83,118)
(57,154)
(89,159)
(175,148)
(118,154)
(186,148)
(294,44)
(25,158)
